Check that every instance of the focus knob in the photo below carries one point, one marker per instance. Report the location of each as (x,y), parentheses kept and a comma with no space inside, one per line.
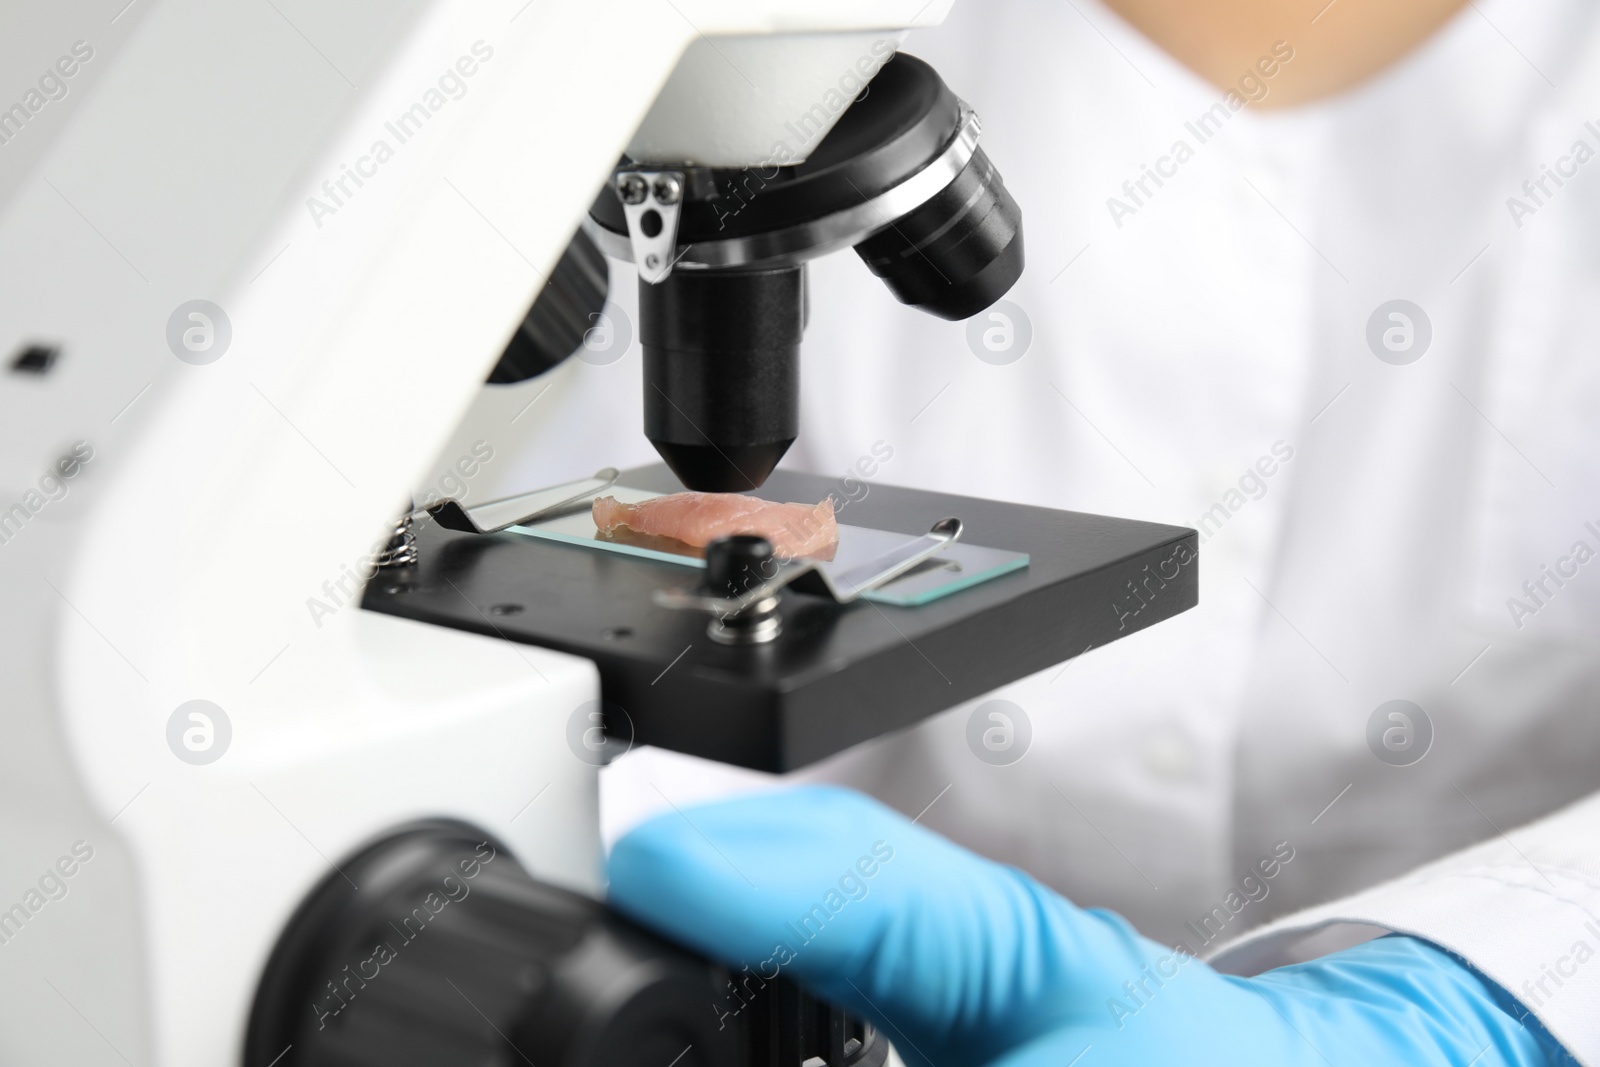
(450,955)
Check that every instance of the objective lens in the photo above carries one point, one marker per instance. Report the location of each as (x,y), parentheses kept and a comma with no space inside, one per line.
(566,307)
(722,372)
(959,252)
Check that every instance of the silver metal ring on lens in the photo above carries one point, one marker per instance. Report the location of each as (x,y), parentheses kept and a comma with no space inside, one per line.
(842,229)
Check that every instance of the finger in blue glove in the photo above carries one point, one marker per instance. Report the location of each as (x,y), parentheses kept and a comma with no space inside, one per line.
(959,960)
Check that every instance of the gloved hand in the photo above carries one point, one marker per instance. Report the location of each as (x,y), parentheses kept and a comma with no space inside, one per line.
(958,960)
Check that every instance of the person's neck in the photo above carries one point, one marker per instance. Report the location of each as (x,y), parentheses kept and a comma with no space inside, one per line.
(1335,45)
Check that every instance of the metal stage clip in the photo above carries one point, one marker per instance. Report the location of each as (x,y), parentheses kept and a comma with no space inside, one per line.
(750,616)
(495,515)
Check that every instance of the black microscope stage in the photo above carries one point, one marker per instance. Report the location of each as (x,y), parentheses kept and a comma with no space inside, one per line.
(838,674)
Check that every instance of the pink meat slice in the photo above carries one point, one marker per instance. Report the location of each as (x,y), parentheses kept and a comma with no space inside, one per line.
(700,518)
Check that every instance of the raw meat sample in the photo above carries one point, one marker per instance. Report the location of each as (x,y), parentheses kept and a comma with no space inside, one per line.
(699,518)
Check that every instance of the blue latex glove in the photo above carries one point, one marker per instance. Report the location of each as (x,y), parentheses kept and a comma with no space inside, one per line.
(958,960)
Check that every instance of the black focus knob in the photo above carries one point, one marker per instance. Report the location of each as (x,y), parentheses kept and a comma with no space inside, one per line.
(450,955)
(739,563)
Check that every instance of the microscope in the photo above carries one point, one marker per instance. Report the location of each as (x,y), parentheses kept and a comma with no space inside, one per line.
(263,262)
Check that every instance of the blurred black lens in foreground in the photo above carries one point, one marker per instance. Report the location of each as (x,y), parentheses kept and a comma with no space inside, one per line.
(566,308)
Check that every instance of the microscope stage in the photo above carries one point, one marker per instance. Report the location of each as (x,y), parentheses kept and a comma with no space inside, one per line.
(837,674)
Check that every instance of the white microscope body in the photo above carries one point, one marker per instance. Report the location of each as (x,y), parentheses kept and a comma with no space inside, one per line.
(274,249)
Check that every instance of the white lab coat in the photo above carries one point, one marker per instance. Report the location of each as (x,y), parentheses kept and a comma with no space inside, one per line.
(1221,324)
